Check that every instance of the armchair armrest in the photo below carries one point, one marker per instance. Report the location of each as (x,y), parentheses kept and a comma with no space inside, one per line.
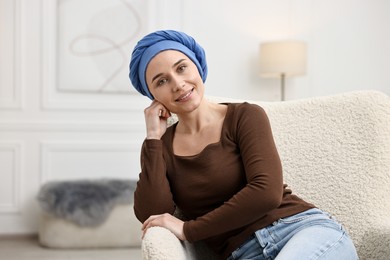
(161,244)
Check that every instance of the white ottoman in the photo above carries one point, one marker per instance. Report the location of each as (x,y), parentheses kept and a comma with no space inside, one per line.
(121,229)
(88,214)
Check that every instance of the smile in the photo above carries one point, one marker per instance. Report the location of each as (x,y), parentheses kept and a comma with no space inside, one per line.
(185,96)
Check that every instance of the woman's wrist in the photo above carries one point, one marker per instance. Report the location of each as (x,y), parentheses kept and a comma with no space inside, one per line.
(152,137)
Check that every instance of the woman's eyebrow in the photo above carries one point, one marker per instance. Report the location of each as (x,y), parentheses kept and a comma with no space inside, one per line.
(174,65)
(155,77)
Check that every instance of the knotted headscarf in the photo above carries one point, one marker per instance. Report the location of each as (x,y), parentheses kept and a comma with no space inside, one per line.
(152,44)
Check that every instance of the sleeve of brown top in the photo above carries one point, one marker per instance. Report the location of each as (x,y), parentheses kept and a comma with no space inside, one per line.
(152,195)
(264,189)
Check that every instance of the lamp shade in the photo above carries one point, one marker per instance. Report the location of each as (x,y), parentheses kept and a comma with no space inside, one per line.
(286,58)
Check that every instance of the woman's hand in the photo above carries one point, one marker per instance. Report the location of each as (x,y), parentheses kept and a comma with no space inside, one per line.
(156,116)
(167,221)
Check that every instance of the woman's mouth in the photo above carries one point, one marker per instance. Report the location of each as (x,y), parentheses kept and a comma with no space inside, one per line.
(185,96)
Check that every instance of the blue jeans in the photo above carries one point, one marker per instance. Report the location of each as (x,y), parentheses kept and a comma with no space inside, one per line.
(311,234)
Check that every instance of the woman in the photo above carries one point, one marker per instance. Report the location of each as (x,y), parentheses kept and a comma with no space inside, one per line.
(219,165)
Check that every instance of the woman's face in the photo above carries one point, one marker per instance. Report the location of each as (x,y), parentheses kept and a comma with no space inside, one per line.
(174,80)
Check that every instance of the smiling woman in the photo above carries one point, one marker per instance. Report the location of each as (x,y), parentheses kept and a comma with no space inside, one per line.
(219,165)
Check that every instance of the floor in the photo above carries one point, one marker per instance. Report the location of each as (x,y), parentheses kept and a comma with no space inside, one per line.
(27,248)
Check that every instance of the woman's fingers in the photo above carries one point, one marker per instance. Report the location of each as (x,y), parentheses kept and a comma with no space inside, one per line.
(154,109)
(164,113)
(148,221)
(167,221)
(156,120)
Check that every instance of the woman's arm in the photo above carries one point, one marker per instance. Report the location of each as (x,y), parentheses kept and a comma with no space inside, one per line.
(153,194)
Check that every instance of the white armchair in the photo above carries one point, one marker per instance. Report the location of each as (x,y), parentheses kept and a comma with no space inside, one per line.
(335,152)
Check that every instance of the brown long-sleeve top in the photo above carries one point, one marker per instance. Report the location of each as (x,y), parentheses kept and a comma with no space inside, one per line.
(228,191)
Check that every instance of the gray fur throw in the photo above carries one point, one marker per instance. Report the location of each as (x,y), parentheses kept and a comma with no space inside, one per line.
(86,203)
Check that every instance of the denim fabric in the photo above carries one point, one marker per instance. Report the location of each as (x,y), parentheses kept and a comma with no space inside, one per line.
(311,234)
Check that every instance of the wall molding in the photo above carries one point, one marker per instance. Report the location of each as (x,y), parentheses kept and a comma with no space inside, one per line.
(16,148)
(14,98)
(65,126)
(48,148)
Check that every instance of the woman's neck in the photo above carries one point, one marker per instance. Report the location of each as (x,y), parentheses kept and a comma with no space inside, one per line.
(203,116)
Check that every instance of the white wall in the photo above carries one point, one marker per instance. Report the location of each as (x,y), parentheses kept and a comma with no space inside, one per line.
(48,133)
(347,44)
(50,130)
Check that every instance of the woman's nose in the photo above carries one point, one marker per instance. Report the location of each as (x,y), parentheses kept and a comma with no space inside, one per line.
(178,84)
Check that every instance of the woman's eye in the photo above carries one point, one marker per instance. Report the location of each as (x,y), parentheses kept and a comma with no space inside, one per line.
(161,82)
(181,68)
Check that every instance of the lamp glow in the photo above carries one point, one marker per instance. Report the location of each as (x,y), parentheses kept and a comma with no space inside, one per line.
(282,59)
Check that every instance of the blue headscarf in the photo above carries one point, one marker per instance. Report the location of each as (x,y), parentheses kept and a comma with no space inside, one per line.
(159,41)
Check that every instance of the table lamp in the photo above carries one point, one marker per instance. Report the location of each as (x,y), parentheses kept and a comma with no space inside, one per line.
(282,59)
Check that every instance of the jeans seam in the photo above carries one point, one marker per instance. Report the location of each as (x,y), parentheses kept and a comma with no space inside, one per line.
(343,235)
(294,220)
(288,220)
